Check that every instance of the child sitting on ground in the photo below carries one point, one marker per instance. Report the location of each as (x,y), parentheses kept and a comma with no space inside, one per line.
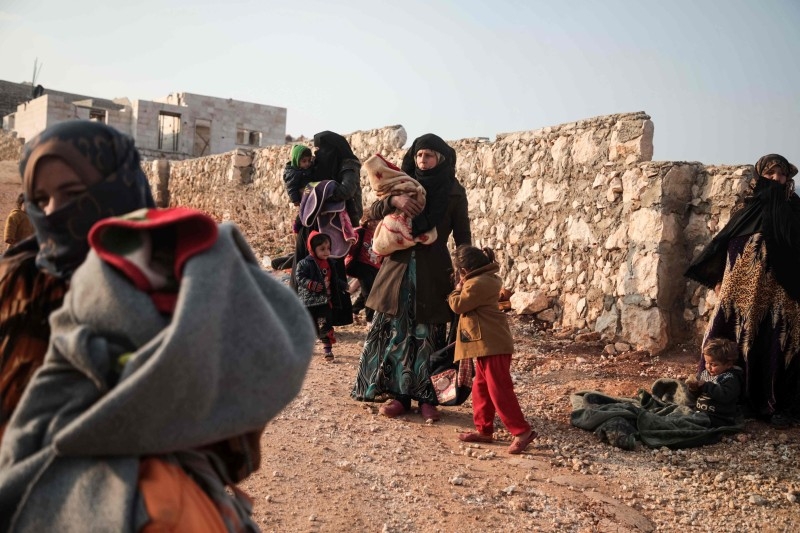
(315,287)
(719,385)
(483,334)
(395,231)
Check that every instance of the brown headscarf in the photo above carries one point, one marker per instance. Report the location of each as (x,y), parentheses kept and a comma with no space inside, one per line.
(108,163)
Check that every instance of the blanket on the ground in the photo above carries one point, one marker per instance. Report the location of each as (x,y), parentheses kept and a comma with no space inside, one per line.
(229,358)
(663,417)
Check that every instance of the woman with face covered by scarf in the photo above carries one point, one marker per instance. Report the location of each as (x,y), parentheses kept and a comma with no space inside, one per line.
(146,323)
(410,292)
(74,174)
(334,160)
(753,264)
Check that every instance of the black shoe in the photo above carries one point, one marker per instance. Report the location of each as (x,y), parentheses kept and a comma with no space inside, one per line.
(782,421)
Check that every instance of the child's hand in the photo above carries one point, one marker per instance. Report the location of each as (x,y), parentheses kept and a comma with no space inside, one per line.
(693,384)
(315,286)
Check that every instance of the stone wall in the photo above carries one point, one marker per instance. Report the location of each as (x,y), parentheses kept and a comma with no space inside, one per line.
(580,218)
(715,191)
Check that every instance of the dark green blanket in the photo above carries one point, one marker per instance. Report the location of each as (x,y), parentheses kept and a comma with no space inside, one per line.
(662,417)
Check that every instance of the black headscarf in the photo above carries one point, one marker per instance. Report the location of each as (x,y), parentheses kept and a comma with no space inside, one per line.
(437,181)
(332,149)
(108,162)
(774,210)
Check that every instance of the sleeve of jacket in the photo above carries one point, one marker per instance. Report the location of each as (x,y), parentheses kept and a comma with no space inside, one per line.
(726,390)
(465,300)
(381,208)
(349,182)
(293,184)
(461,230)
(303,273)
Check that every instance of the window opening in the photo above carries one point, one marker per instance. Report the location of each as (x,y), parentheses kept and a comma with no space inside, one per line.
(169,129)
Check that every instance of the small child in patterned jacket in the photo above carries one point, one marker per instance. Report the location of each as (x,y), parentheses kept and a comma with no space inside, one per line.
(315,287)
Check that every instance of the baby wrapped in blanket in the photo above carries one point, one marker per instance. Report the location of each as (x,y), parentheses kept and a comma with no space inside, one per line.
(394,231)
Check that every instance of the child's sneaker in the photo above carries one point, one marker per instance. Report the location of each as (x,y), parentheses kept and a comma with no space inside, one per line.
(328,355)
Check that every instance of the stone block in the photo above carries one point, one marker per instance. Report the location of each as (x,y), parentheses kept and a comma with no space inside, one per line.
(529,303)
(645,328)
(548,315)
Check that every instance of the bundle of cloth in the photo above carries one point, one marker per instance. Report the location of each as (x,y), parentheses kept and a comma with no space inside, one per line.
(170,354)
(325,215)
(664,416)
(394,232)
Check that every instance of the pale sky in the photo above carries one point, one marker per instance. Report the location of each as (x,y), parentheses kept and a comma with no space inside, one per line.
(719,78)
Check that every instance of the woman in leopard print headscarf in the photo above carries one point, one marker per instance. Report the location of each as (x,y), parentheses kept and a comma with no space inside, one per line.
(753,263)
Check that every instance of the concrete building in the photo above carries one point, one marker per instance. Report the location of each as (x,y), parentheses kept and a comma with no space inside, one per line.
(180,126)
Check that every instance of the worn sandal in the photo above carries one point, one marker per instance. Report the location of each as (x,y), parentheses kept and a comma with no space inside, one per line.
(518,445)
(329,358)
(474,436)
(392,409)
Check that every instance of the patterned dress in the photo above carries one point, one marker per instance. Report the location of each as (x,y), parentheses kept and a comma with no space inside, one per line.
(394,362)
(756,312)
(27,297)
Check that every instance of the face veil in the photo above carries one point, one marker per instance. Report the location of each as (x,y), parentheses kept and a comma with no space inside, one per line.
(109,163)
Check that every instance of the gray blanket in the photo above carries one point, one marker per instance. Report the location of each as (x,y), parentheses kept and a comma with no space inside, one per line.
(232,355)
(665,416)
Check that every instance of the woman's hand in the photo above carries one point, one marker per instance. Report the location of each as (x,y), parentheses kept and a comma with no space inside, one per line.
(407,205)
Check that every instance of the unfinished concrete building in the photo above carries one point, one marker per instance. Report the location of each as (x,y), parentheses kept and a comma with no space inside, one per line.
(180,126)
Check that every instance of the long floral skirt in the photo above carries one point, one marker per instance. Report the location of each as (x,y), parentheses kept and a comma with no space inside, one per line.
(394,362)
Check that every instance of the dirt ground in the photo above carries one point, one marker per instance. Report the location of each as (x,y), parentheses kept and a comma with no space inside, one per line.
(333,464)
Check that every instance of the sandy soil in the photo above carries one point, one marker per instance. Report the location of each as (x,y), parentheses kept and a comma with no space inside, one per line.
(334,464)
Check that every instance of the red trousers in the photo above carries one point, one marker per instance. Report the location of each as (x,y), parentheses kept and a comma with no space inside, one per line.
(493,391)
